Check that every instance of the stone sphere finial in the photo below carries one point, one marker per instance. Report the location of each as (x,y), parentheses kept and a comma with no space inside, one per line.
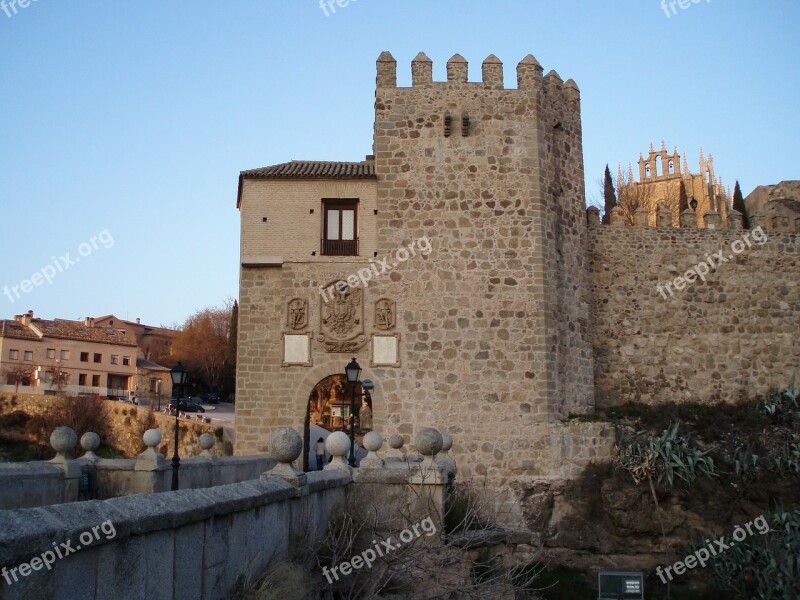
(206,441)
(373,441)
(63,439)
(90,441)
(429,442)
(338,445)
(151,438)
(447,442)
(396,454)
(443,459)
(285,445)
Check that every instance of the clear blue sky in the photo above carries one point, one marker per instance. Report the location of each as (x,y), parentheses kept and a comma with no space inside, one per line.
(135,118)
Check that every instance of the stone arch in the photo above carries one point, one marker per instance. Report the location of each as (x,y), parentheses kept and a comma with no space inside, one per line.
(334,367)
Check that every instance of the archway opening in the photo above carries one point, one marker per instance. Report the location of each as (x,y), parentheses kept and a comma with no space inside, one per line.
(329,410)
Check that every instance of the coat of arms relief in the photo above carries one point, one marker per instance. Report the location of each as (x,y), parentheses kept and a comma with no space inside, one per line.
(342,320)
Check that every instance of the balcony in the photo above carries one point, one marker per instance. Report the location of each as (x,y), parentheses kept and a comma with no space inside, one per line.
(339,247)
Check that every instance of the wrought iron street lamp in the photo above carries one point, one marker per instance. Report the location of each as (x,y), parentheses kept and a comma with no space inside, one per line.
(693,204)
(353,370)
(179,375)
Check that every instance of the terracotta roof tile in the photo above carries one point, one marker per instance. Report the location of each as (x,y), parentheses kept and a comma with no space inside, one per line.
(309,169)
(12,329)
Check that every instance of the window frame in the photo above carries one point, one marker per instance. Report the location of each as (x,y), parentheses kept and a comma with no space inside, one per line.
(27,355)
(97,358)
(84,357)
(51,354)
(13,354)
(339,246)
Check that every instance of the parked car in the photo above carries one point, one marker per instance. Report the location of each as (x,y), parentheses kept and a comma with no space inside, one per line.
(210,397)
(186,406)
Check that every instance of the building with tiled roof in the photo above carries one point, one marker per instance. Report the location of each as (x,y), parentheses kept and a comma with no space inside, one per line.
(155,343)
(310,169)
(43,356)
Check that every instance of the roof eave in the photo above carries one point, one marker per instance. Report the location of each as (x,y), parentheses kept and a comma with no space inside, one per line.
(243,175)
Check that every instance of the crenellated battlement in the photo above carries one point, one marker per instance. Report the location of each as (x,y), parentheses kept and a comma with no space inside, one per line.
(712,220)
(530,75)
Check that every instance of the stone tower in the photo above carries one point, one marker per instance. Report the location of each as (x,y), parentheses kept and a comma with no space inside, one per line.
(486,334)
(494,177)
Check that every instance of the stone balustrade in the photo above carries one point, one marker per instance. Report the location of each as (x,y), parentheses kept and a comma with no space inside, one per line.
(196,543)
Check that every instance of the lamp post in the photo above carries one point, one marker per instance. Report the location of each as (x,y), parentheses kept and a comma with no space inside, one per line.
(178,374)
(353,370)
(693,204)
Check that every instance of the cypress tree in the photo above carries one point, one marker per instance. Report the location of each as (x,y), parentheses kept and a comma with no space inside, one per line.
(739,205)
(684,199)
(609,197)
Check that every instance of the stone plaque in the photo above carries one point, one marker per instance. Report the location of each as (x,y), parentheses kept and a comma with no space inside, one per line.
(296,349)
(297,314)
(385,350)
(384,314)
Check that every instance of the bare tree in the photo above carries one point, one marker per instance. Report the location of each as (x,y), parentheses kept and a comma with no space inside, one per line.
(633,195)
(405,556)
(58,378)
(16,374)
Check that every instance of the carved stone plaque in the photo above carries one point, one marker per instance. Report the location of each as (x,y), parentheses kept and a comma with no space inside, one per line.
(342,316)
(297,314)
(384,314)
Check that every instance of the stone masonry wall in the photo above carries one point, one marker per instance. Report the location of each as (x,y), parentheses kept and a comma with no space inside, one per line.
(493,323)
(730,337)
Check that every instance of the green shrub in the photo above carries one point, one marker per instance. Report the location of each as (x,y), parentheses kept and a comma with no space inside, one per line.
(763,567)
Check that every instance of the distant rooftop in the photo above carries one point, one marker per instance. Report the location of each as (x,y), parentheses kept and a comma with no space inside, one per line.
(63,329)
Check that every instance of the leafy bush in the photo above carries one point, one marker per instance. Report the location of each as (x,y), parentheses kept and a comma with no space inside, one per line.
(663,458)
(763,567)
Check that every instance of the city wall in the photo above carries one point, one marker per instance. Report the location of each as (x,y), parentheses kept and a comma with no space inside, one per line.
(729,335)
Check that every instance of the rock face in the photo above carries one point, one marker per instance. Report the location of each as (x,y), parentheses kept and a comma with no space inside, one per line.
(603,520)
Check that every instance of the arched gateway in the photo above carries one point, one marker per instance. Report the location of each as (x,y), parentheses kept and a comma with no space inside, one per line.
(332,406)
